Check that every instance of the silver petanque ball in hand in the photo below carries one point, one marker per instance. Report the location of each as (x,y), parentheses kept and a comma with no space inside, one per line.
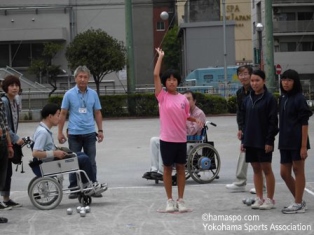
(69,211)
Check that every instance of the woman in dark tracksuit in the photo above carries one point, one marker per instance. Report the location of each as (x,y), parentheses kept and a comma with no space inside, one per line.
(260,126)
(293,144)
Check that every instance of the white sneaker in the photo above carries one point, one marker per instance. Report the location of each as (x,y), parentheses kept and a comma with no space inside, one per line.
(268,204)
(181,205)
(258,202)
(235,188)
(170,206)
(253,190)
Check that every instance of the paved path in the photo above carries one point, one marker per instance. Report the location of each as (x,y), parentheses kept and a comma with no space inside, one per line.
(131,203)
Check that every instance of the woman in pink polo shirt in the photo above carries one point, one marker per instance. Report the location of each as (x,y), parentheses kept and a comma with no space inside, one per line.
(174,110)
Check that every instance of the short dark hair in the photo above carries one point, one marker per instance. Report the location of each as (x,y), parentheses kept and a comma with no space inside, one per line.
(8,81)
(294,75)
(167,74)
(243,67)
(191,92)
(259,73)
(48,109)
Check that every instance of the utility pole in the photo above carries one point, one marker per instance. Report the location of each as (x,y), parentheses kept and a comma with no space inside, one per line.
(225,48)
(129,47)
(269,47)
(130,55)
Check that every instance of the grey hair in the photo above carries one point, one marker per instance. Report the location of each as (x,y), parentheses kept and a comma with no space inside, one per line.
(81,69)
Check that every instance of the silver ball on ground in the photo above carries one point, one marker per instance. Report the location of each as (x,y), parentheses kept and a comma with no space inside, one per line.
(69,211)
(78,209)
(244,200)
(82,213)
(83,209)
(248,202)
(87,209)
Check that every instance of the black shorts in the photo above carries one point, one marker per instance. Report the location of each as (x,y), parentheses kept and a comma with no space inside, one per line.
(172,153)
(288,156)
(257,155)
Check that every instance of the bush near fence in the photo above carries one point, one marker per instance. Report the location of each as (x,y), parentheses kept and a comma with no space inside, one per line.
(146,105)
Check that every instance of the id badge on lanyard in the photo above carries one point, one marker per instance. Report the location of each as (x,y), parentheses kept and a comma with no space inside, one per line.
(82,110)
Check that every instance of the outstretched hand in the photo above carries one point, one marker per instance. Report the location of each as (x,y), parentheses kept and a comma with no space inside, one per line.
(160,52)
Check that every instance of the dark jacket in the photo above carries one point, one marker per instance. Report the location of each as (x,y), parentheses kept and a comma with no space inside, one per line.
(260,120)
(293,114)
(241,95)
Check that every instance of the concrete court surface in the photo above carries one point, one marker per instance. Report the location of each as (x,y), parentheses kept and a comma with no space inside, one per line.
(130,205)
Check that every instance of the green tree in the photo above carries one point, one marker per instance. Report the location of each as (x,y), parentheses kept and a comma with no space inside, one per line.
(100,52)
(172,46)
(43,66)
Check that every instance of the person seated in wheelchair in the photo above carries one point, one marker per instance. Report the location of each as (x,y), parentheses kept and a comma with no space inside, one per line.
(45,150)
(193,130)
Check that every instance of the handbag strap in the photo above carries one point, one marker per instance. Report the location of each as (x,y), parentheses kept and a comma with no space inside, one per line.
(12,124)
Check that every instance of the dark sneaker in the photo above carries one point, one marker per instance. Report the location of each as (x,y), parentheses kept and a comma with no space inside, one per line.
(72,196)
(12,203)
(4,207)
(147,175)
(3,220)
(157,176)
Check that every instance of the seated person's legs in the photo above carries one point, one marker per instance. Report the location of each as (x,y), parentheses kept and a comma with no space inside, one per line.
(156,161)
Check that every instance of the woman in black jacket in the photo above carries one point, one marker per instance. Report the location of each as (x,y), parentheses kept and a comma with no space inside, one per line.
(294,114)
(260,126)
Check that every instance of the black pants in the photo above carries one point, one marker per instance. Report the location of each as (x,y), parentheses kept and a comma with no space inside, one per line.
(3,163)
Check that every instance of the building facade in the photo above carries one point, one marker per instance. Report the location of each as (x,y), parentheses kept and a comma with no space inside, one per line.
(293,37)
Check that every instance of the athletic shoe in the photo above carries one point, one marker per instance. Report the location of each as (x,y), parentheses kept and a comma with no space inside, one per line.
(268,204)
(99,189)
(12,203)
(147,175)
(294,209)
(170,206)
(181,205)
(258,202)
(4,207)
(253,190)
(156,176)
(235,188)
(3,220)
(73,196)
(303,204)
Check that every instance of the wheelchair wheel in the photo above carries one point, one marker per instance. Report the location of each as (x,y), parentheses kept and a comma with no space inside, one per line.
(204,163)
(45,193)
(30,183)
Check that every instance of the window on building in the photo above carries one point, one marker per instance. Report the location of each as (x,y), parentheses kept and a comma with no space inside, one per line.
(21,55)
(305,46)
(288,46)
(287,16)
(4,55)
(208,78)
(305,15)
(160,26)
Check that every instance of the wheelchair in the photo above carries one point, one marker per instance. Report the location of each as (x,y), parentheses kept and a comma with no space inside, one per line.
(203,160)
(46,190)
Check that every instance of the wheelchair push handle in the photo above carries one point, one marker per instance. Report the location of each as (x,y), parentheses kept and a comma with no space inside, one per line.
(210,123)
(27,141)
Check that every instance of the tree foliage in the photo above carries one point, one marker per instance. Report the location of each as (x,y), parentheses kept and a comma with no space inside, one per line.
(172,47)
(43,66)
(100,52)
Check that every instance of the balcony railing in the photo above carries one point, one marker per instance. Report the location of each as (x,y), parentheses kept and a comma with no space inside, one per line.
(291,1)
(293,26)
